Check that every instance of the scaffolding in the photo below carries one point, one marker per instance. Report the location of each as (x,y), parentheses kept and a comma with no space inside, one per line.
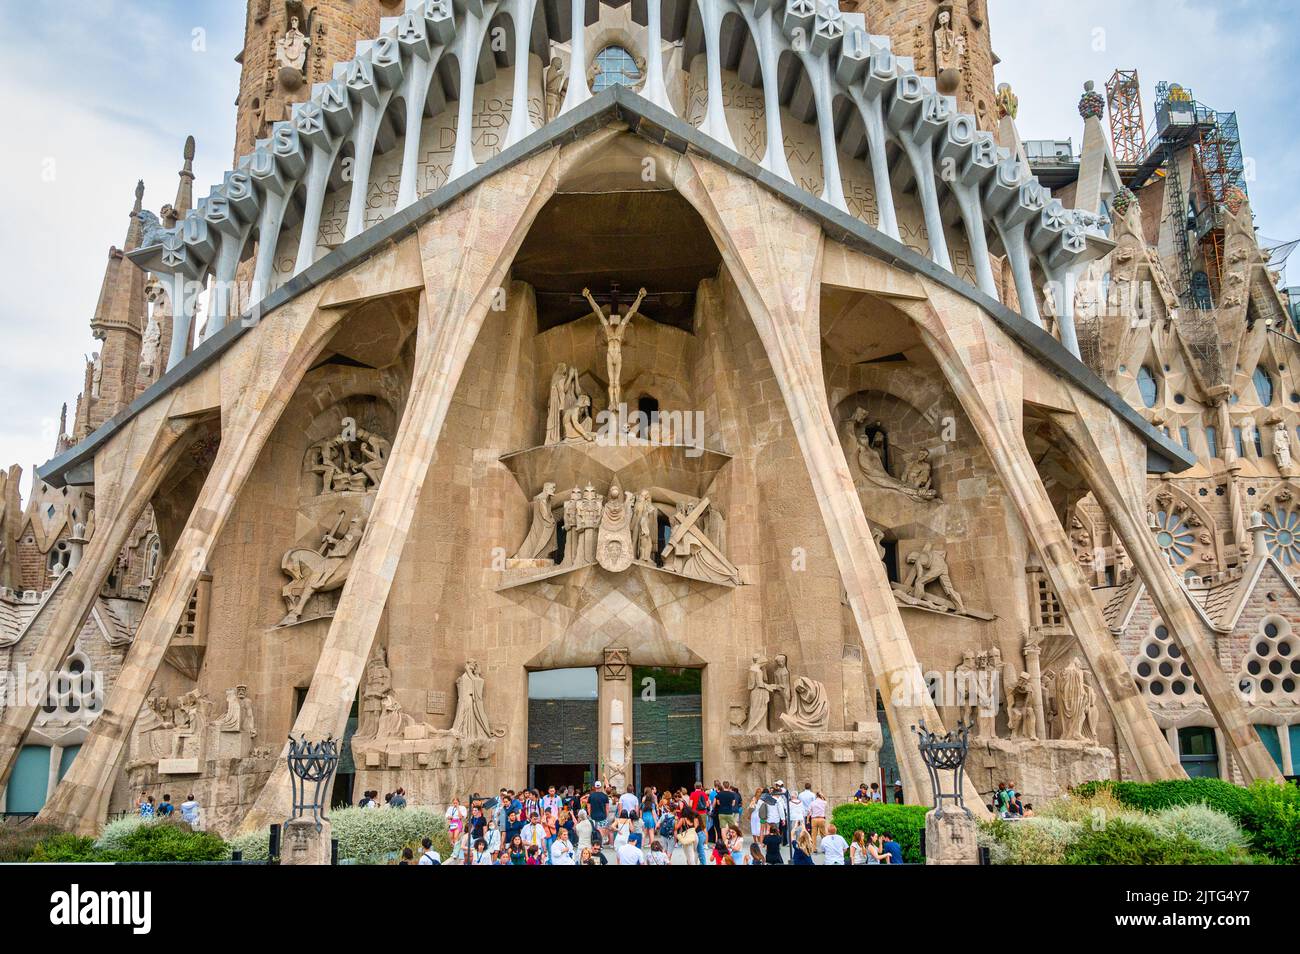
(1127,126)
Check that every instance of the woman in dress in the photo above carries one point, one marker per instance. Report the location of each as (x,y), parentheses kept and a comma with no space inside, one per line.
(801,853)
(686,837)
(455,816)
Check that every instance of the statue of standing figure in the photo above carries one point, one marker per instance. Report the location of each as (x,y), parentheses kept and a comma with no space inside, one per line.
(760,696)
(615,328)
(471,722)
(1282,447)
(541,534)
(291,49)
(1072,693)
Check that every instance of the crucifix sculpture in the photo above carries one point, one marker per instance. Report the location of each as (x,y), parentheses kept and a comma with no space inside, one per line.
(615,326)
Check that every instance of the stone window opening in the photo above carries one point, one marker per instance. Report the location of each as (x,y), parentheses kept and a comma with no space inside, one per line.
(1270,673)
(615,66)
(1160,671)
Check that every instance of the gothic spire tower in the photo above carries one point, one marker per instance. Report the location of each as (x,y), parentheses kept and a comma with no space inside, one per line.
(291,44)
(949,41)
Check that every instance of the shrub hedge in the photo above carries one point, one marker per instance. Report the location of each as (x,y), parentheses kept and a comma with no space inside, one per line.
(1269,813)
(367,836)
(905,822)
(1120,842)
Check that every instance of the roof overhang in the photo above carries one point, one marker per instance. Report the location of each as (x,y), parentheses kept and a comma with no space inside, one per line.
(620,104)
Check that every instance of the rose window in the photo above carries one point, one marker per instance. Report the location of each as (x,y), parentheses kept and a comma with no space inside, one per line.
(1282,533)
(1174,536)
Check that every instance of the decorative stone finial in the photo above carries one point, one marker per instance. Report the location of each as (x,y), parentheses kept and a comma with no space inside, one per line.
(1123,201)
(1092,105)
(1007,102)
(1259,535)
(1234,199)
(189,149)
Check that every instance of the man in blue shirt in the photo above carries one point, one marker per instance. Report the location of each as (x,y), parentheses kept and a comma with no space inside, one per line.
(893,849)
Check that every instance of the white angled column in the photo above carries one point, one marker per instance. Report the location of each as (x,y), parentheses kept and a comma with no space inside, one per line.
(471,41)
(655,89)
(578,92)
(521,121)
(715,115)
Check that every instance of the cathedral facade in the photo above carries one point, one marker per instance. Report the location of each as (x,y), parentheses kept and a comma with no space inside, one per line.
(648,392)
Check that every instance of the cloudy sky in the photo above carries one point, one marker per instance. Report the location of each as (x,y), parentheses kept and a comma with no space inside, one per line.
(106,96)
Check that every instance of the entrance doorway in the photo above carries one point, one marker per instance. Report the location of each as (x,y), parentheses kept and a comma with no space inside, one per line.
(668,776)
(667,727)
(563,728)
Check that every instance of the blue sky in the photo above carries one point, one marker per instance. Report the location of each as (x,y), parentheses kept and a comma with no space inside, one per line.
(103,93)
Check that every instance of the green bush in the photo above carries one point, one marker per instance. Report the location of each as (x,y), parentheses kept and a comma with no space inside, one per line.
(905,822)
(1033,841)
(365,835)
(1204,825)
(164,841)
(1272,819)
(1268,813)
(115,833)
(1121,842)
(65,847)
(17,842)
(1155,797)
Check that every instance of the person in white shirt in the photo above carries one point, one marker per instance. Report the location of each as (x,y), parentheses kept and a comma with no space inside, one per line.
(430,857)
(534,833)
(481,854)
(806,797)
(798,816)
(630,853)
(562,848)
(629,803)
(190,812)
(657,855)
(833,847)
(582,830)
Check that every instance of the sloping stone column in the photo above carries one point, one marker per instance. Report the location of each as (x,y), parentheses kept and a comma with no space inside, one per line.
(984,370)
(1110,475)
(467,253)
(775,256)
(127,474)
(263,375)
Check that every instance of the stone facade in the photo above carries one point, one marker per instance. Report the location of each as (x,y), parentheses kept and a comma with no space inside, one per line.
(846,494)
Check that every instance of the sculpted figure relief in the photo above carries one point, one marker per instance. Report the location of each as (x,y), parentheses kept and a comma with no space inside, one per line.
(615,328)
(928,567)
(690,552)
(917,482)
(1022,717)
(321,570)
(812,707)
(541,534)
(291,49)
(614,549)
(1072,696)
(471,723)
(1282,446)
(351,461)
(760,696)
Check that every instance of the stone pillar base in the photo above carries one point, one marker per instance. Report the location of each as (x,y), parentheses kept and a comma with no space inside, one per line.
(302,844)
(950,839)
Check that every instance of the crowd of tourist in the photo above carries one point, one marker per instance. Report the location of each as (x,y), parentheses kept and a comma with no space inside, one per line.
(1008,805)
(717,825)
(189,809)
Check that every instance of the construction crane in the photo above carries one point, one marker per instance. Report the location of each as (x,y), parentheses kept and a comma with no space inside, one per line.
(1127,126)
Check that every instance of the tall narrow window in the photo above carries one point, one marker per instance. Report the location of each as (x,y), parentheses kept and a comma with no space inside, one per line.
(1185,436)
(1147,386)
(1212,440)
(1263,386)
(1239,442)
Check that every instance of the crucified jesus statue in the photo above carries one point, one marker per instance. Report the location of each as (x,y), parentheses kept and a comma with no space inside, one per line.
(615,327)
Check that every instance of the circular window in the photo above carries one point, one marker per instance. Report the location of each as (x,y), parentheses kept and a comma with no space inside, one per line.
(1176,539)
(1271,630)
(615,66)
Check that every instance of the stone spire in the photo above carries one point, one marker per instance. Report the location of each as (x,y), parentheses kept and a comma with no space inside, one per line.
(171,214)
(118,322)
(1098,176)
